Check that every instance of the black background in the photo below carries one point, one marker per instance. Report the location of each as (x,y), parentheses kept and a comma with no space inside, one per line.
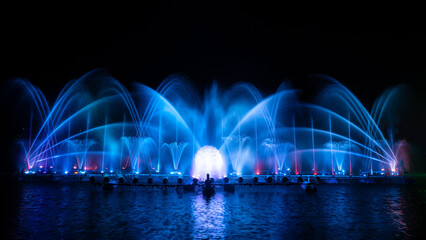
(368,51)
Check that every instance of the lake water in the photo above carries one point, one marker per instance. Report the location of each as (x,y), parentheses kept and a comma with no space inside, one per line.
(81,211)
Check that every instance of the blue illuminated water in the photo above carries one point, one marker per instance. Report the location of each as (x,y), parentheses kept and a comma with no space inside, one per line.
(98,124)
(79,211)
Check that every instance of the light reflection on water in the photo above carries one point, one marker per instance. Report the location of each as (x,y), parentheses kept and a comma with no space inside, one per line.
(208,214)
(53,211)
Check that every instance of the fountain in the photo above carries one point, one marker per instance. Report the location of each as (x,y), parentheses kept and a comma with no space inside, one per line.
(96,125)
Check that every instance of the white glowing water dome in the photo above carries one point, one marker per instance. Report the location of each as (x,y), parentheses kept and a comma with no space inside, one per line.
(208,160)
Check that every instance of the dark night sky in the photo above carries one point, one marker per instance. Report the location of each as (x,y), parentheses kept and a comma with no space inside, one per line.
(265,45)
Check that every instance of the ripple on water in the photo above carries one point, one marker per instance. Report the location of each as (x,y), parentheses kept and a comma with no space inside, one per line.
(335,212)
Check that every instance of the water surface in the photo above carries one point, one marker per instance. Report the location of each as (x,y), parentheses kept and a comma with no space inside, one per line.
(81,211)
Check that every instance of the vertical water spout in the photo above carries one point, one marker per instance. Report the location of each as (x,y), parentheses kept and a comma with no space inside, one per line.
(159,145)
(331,145)
(68,146)
(295,148)
(313,144)
(350,142)
(87,137)
(193,138)
(121,145)
(256,156)
(104,147)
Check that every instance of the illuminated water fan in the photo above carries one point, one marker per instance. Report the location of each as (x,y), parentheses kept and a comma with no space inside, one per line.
(276,134)
(208,160)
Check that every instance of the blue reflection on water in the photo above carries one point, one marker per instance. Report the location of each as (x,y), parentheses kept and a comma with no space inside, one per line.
(209,214)
(80,211)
